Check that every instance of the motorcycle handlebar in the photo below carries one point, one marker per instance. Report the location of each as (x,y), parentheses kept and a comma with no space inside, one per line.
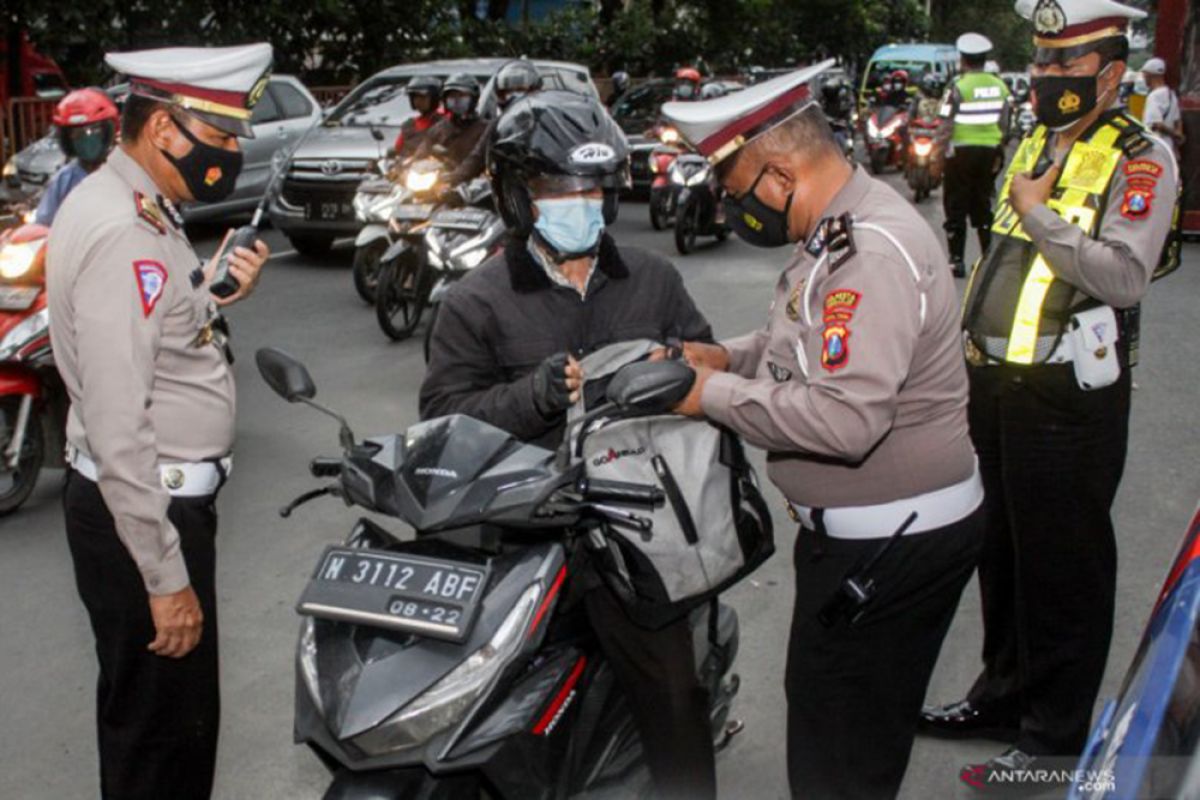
(323,467)
(633,494)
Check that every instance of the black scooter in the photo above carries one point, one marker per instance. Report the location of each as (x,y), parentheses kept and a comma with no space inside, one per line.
(448,665)
(697,202)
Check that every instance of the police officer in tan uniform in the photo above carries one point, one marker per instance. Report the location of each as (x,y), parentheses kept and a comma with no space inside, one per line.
(1051,325)
(144,356)
(856,389)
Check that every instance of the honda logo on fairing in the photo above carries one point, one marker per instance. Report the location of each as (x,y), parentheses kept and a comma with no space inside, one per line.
(612,455)
(437,472)
(331,167)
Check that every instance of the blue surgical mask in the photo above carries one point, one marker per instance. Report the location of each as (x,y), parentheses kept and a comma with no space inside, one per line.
(571,225)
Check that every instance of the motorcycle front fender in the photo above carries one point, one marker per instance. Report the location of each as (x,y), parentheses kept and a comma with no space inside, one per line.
(19,381)
(370,233)
(683,196)
(397,249)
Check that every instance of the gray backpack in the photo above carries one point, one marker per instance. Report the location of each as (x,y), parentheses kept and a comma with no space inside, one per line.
(713,529)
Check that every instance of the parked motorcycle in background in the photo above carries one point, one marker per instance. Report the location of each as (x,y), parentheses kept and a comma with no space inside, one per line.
(374,201)
(698,197)
(922,151)
(445,665)
(33,400)
(458,240)
(662,191)
(886,133)
(402,289)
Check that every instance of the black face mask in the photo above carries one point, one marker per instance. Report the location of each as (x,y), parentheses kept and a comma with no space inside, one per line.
(754,221)
(209,172)
(1063,100)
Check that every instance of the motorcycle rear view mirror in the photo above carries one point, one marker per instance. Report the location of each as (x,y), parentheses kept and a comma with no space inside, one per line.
(286,376)
(289,379)
(650,387)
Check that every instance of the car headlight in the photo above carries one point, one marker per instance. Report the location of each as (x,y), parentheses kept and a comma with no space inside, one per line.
(306,656)
(23,332)
(420,181)
(16,259)
(698,177)
(444,704)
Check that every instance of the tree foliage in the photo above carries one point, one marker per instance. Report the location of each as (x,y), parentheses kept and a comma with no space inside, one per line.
(339,41)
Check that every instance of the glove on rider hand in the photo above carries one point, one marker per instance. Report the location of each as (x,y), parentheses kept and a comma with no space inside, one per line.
(550,393)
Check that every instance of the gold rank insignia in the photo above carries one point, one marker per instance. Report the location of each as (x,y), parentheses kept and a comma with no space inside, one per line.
(974,355)
(794,300)
(149,211)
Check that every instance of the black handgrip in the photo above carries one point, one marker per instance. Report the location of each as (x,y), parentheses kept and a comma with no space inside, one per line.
(632,494)
(223,283)
(322,467)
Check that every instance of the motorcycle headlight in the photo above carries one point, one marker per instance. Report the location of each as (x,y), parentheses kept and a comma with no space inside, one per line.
(668,136)
(420,181)
(23,332)
(306,657)
(923,148)
(444,704)
(872,129)
(698,177)
(10,167)
(16,259)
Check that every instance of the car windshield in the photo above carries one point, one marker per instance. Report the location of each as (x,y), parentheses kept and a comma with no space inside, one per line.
(380,103)
(882,69)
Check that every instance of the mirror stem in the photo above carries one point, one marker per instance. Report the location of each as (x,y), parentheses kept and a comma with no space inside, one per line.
(345,435)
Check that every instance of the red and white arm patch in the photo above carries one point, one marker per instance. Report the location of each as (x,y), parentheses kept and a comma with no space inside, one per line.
(151,283)
(840,305)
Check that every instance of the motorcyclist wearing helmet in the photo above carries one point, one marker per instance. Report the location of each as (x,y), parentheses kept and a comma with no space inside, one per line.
(687,84)
(926,105)
(514,80)
(425,96)
(620,85)
(459,133)
(86,121)
(894,89)
(504,349)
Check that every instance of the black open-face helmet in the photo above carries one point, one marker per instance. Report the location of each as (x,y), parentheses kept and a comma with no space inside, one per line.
(551,142)
(465,83)
(430,85)
(515,80)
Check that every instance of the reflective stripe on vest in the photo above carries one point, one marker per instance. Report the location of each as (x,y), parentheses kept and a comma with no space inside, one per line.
(1086,175)
(982,98)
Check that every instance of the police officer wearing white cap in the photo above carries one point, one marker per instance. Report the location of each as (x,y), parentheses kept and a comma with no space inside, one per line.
(974,126)
(856,390)
(144,357)
(1050,320)
(1162,112)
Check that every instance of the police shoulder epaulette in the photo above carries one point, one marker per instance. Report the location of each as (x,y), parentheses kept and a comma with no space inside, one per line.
(839,239)
(1133,140)
(149,212)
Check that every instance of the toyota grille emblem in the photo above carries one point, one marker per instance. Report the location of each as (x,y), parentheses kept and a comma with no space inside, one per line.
(332,167)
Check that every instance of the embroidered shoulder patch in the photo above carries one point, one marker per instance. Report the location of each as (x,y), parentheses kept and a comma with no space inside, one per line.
(1137,203)
(1142,168)
(149,211)
(840,305)
(152,282)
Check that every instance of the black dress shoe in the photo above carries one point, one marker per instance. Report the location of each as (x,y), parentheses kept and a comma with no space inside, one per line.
(966,720)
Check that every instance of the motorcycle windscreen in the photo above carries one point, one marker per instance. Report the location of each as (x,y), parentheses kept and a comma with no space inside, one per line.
(444,455)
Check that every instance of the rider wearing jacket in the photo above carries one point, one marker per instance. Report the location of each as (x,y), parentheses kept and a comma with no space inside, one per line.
(504,350)
(460,131)
(425,96)
(514,80)
(86,120)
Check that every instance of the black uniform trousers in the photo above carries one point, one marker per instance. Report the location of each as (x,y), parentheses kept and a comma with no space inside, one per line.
(156,717)
(1051,457)
(970,183)
(657,671)
(855,690)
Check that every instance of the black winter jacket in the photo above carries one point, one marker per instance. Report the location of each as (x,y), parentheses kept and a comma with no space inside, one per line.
(502,320)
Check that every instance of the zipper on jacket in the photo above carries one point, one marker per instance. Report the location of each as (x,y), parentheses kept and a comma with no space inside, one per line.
(675,498)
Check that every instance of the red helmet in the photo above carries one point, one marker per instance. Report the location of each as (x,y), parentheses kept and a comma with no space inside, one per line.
(84,107)
(687,74)
(87,125)
(900,76)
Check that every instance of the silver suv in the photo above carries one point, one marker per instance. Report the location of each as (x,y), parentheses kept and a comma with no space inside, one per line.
(314,204)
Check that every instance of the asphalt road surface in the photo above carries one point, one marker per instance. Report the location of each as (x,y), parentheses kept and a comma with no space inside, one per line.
(308,306)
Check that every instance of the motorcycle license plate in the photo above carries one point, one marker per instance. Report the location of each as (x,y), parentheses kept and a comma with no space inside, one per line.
(330,211)
(413,211)
(431,597)
(17,298)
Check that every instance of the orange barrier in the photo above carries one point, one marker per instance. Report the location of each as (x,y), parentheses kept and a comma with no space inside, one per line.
(25,120)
